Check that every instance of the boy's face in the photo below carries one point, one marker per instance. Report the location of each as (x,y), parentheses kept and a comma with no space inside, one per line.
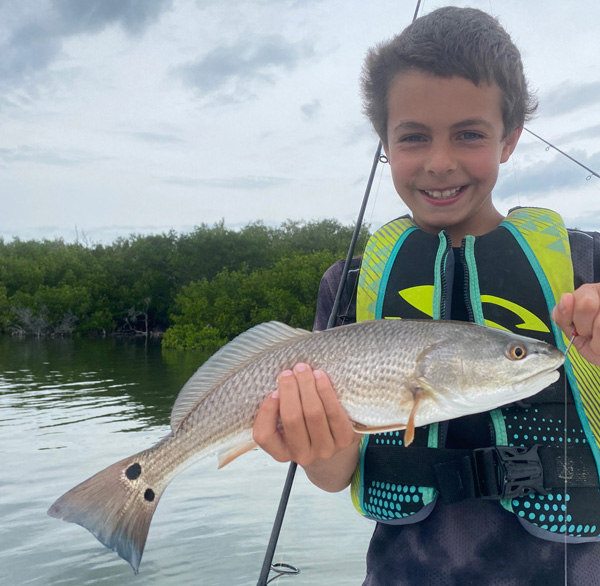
(445,145)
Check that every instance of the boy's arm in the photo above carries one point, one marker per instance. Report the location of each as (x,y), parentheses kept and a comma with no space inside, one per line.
(580,312)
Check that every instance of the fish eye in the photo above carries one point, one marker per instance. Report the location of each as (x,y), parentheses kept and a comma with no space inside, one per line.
(517,352)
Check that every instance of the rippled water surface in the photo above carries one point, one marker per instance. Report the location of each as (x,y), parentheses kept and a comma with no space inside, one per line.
(71,407)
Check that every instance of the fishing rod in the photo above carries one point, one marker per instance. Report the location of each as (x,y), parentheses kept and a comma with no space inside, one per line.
(268,559)
(550,145)
(289,481)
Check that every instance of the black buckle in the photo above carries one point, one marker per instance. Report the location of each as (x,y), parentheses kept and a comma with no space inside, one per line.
(505,472)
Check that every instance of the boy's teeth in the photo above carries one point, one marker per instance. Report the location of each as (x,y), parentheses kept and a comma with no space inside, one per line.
(442,194)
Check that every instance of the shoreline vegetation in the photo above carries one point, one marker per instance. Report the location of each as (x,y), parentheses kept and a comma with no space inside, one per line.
(194,290)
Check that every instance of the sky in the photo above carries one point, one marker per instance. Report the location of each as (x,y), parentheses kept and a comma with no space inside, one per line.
(122,117)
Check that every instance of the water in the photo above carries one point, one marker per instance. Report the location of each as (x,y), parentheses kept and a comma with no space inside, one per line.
(71,407)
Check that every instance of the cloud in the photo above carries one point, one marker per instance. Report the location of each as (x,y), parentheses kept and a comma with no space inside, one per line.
(105,234)
(30,154)
(238,183)
(34,32)
(569,97)
(556,174)
(311,110)
(584,133)
(134,16)
(156,138)
(361,132)
(30,49)
(587,220)
(230,70)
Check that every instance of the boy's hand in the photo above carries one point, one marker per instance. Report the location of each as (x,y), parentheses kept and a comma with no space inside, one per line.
(315,431)
(580,312)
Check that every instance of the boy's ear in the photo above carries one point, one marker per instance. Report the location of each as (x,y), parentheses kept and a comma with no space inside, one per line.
(386,149)
(509,143)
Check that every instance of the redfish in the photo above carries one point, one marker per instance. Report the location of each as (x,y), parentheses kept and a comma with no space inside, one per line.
(387,374)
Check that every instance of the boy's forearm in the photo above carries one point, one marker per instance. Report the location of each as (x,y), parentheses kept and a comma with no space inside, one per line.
(335,473)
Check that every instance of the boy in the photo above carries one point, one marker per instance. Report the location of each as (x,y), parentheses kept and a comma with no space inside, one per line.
(448,99)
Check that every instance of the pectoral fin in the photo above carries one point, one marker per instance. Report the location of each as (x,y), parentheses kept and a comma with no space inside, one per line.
(409,435)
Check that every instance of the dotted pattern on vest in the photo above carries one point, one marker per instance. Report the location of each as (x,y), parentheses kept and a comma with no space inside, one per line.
(384,500)
(556,512)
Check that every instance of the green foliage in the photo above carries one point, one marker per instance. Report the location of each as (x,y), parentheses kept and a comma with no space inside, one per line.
(202,287)
(233,301)
(189,336)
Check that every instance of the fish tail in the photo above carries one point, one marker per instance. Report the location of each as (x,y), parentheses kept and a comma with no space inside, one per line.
(116,505)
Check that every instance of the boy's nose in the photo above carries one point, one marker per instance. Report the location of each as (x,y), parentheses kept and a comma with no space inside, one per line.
(440,160)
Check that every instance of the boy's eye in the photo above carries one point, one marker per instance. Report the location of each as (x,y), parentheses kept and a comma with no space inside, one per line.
(470,135)
(412,138)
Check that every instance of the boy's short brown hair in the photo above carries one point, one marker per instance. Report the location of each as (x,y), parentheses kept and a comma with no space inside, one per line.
(449,42)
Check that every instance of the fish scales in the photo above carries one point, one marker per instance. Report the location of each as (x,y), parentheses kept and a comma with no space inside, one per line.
(388,374)
(350,357)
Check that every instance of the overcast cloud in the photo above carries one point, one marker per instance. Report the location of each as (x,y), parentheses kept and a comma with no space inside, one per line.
(121,116)
(231,70)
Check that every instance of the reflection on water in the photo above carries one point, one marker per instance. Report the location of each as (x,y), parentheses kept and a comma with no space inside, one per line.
(71,407)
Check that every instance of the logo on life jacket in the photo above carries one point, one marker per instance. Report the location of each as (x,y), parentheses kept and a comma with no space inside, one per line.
(421,298)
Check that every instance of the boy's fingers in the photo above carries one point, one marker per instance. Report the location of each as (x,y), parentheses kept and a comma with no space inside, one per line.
(562,314)
(313,424)
(586,308)
(265,432)
(315,417)
(292,417)
(595,339)
(337,418)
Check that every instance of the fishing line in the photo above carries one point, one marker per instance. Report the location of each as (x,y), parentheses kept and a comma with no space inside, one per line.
(384,160)
(281,568)
(516,180)
(565,463)
(342,312)
(566,431)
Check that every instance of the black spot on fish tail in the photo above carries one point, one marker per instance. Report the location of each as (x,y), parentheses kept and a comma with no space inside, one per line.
(133,471)
(149,495)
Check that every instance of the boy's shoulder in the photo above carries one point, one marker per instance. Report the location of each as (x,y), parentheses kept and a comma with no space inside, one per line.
(328,291)
(585,253)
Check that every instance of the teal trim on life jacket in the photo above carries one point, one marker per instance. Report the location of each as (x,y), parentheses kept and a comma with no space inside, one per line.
(474,293)
(439,271)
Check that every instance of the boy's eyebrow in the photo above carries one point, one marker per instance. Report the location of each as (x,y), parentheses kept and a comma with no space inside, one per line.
(472,122)
(411,125)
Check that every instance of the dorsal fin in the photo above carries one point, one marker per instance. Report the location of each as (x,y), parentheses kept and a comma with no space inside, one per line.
(247,346)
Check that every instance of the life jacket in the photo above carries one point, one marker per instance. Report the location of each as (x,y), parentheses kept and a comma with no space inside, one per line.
(514,276)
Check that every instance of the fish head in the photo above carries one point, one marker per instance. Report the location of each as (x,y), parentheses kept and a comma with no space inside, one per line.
(489,368)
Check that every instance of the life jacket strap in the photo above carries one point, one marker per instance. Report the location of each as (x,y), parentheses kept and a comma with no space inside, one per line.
(495,472)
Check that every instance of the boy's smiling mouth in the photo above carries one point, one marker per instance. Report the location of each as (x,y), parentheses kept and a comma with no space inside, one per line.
(446,193)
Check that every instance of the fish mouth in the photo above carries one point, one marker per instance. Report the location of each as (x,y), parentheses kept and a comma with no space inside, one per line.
(548,376)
